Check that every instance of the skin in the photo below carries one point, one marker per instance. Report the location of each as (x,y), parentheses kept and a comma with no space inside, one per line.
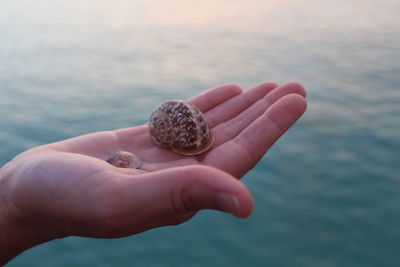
(67,188)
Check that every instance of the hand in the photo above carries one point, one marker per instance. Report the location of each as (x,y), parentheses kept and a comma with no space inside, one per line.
(67,188)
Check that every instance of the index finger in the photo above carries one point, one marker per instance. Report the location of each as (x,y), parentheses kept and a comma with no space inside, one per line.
(240,154)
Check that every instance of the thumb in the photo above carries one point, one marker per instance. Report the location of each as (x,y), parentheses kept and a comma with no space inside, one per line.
(182,190)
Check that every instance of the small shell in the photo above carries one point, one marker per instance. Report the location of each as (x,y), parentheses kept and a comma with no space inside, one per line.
(125,159)
(180,126)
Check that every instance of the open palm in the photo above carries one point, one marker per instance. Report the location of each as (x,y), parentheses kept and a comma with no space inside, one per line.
(67,188)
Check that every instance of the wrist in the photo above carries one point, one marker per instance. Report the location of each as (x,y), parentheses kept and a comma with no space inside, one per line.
(17,233)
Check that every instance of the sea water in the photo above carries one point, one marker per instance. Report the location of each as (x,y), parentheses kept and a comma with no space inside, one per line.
(327,193)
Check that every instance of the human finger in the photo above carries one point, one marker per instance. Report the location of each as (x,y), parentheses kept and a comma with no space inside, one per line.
(231,128)
(237,104)
(214,96)
(138,138)
(240,154)
(183,190)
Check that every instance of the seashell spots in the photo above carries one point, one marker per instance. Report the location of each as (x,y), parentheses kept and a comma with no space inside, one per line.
(180,126)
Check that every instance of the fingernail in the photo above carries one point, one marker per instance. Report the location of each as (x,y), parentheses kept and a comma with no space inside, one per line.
(228,203)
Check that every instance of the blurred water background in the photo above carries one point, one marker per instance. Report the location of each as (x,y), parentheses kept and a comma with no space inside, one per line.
(327,194)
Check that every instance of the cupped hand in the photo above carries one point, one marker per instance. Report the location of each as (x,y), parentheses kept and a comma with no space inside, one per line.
(68,188)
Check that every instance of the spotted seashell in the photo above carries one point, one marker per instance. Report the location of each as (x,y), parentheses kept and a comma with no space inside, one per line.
(180,126)
(125,159)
